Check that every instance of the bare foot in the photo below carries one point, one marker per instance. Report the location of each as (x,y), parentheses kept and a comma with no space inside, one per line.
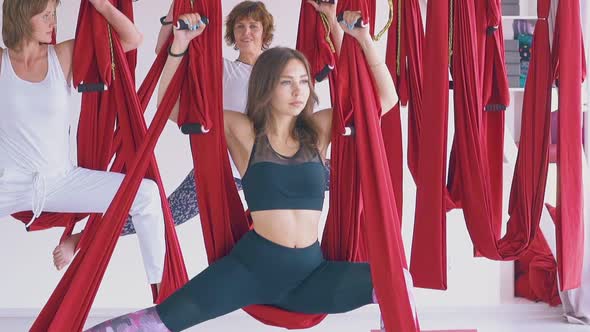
(63,253)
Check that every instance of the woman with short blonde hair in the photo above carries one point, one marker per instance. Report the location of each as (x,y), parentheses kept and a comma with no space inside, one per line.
(36,172)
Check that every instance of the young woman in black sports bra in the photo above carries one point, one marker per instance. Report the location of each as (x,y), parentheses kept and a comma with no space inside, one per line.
(278,147)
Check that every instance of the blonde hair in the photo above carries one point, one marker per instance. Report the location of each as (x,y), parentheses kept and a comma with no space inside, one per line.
(16,19)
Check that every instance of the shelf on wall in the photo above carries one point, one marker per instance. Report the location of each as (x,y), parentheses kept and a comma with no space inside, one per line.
(520,17)
(522,89)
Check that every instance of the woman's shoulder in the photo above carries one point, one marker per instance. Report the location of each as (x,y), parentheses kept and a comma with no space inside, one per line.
(227,64)
(64,48)
(239,124)
(237,116)
(230,69)
(236,67)
(65,53)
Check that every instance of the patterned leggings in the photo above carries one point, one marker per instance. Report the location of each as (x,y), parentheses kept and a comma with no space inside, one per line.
(183,201)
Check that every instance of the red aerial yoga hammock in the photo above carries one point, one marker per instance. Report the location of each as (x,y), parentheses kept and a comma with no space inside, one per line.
(346,207)
(404,60)
(428,258)
(319,49)
(569,221)
(536,273)
(222,215)
(536,270)
(342,238)
(539,281)
(70,303)
(475,161)
(495,97)
(381,223)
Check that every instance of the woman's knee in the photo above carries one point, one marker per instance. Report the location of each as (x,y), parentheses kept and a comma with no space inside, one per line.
(148,198)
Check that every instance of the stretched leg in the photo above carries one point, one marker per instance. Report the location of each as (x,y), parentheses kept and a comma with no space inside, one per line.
(223,287)
(334,287)
(337,287)
(143,320)
(84,190)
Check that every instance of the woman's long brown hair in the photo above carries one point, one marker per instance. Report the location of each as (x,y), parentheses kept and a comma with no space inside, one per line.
(264,78)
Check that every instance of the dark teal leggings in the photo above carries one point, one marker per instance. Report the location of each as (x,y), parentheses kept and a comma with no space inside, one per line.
(258,271)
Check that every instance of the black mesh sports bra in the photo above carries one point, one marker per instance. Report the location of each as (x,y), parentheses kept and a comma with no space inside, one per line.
(273,181)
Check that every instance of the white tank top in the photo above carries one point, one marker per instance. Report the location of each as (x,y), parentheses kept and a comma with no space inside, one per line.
(235,85)
(235,92)
(35,121)
(34,138)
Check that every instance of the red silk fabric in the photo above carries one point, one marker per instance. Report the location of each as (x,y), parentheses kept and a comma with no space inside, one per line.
(428,259)
(342,238)
(532,283)
(476,159)
(381,224)
(569,218)
(312,41)
(404,43)
(536,273)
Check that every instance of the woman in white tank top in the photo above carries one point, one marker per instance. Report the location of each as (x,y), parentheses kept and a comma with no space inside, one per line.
(36,172)
(249,29)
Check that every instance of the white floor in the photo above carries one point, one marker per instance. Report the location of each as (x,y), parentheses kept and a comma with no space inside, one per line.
(509,318)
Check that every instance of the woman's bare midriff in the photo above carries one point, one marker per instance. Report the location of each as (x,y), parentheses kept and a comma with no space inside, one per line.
(289,228)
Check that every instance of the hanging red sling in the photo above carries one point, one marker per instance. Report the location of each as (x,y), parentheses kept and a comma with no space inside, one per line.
(471,163)
(569,222)
(404,60)
(428,259)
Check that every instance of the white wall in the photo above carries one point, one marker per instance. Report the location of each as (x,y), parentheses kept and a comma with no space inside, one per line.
(27,276)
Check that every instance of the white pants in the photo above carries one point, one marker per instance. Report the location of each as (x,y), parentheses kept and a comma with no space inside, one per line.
(89,191)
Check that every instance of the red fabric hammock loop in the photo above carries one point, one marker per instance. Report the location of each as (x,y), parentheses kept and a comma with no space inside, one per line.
(404,60)
(342,238)
(381,225)
(569,222)
(314,41)
(476,163)
(428,259)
